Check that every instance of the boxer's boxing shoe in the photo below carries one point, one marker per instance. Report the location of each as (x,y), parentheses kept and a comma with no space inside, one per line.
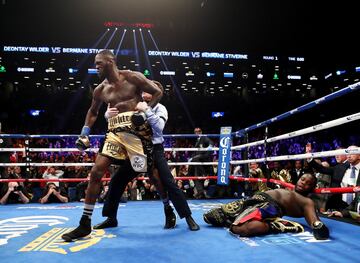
(109,222)
(83,230)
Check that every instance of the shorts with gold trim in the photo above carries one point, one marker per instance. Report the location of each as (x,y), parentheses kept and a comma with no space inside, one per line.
(259,207)
(125,141)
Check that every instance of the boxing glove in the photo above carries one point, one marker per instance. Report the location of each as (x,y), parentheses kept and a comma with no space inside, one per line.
(83,142)
(138,119)
(320,231)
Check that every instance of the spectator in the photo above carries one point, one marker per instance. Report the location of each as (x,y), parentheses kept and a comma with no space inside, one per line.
(74,172)
(344,174)
(256,172)
(202,156)
(352,211)
(297,172)
(52,173)
(351,175)
(53,194)
(4,156)
(14,193)
(323,181)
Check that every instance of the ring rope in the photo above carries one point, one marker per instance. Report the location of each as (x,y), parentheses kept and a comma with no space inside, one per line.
(308,130)
(318,127)
(354,189)
(61,150)
(274,158)
(12,149)
(301,156)
(55,136)
(339,93)
(355,150)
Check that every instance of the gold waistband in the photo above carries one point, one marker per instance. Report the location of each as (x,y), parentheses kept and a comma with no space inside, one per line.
(121,120)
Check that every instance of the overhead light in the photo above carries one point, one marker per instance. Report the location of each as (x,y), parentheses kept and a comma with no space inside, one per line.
(167,73)
(328,76)
(21,69)
(228,75)
(293,77)
(339,72)
(50,70)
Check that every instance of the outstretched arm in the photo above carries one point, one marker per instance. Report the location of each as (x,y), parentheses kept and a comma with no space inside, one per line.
(321,169)
(320,230)
(318,167)
(309,212)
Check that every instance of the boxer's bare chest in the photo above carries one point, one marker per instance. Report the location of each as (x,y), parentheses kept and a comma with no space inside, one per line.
(122,95)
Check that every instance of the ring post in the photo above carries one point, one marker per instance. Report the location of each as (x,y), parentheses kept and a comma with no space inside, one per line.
(224,156)
(266,164)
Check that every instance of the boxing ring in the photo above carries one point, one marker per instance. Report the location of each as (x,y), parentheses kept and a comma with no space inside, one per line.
(31,232)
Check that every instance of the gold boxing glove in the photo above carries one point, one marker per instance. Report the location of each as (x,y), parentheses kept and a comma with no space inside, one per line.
(82,143)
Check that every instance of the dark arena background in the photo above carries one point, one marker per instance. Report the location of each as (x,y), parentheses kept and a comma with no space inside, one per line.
(222,63)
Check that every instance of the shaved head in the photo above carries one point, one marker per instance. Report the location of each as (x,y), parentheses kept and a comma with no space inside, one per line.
(108,54)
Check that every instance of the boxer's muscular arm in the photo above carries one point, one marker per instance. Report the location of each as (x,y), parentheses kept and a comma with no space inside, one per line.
(146,85)
(93,111)
(320,230)
(309,210)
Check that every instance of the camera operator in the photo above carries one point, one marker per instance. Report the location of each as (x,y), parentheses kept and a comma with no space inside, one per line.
(53,194)
(13,193)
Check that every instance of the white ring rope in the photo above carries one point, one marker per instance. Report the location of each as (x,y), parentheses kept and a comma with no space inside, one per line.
(311,129)
(355,150)
(192,149)
(302,156)
(308,130)
(61,150)
(97,149)
(12,149)
(318,127)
